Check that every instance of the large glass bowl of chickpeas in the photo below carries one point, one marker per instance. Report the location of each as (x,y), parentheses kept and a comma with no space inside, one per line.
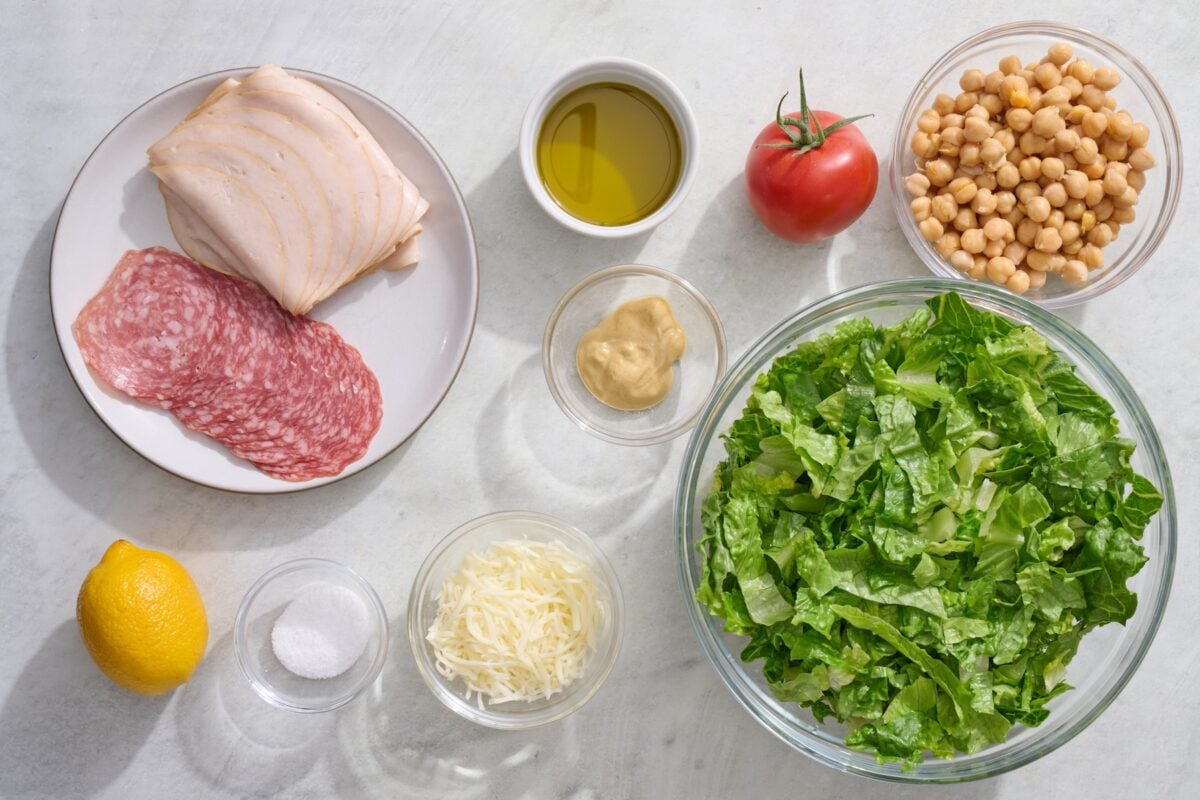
(1038,157)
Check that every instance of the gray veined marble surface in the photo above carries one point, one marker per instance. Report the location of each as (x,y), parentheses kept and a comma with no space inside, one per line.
(663,726)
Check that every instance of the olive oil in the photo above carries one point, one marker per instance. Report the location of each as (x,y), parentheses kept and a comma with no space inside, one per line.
(609,154)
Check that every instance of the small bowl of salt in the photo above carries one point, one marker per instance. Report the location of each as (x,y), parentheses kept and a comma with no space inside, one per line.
(310,635)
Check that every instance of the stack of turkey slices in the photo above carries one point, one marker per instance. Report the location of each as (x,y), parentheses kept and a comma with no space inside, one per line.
(273,179)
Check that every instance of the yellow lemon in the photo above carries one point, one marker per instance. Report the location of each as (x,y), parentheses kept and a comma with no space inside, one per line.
(142,619)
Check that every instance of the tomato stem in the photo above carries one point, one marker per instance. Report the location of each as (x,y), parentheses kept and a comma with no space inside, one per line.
(808,133)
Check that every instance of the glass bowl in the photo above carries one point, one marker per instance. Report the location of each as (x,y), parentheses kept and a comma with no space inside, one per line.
(1138,93)
(445,560)
(256,616)
(1107,657)
(696,372)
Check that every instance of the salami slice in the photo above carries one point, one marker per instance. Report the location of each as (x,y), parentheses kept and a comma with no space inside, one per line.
(283,392)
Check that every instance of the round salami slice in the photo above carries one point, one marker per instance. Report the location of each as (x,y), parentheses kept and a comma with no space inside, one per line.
(283,392)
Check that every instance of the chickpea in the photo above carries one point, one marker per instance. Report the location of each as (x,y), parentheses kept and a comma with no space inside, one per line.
(1030,168)
(1047,122)
(968,155)
(991,81)
(1065,140)
(1106,78)
(947,244)
(1076,114)
(1074,209)
(916,184)
(1087,151)
(1010,65)
(998,229)
(961,260)
(965,220)
(1058,96)
(1019,119)
(1036,279)
(965,101)
(1047,75)
(983,202)
(986,180)
(1074,272)
(1053,168)
(973,240)
(1123,216)
(1037,208)
(1005,202)
(962,190)
(991,103)
(1095,192)
(930,229)
(1073,86)
(943,104)
(992,153)
(1096,169)
(1038,261)
(971,80)
(1013,83)
(1008,176)
(1056,219)
(1072,248)
(1048,240)
(976,129)
(1028,190)
(979,269)
(1113,150)
(1000,269)
(1027,231)
(1018,281)
(1100,235)
(1056,193)
(921,208)
(1059,53)
(1094,124)
(930,121)
(1093,97)
(944,208)
(922,145)
(993,248)
(1104,209)
(1141,159)
(1081,71)
(1092,256)
(1076,184)
(1031,143)
(1126,199)
(976,111)
(1019,98)
(1069,162)
(1136,179)
(952,120)
(1120,126)
(1069,232)
(1087,221)
(1139,136)
(939,171)
(1114,182)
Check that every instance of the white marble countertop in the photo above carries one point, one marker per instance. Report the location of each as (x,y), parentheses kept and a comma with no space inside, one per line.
(663,726)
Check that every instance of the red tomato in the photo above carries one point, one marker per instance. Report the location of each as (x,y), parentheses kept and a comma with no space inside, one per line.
(807,195)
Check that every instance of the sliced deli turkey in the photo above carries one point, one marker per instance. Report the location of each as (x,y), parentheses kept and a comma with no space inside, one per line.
(273,179)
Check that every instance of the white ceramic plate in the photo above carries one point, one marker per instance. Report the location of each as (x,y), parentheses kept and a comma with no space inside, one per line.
(412,327)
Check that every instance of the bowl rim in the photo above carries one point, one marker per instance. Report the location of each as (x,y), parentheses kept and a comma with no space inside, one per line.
(648,79)
(1145,84)
(241,645)
(1152,602)
(559,708)
(555,382)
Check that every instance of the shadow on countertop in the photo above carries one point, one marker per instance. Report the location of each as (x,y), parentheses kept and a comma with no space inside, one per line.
(67,730)
(96,470)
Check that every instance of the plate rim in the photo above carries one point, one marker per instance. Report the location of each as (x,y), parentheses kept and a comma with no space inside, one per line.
(285,487)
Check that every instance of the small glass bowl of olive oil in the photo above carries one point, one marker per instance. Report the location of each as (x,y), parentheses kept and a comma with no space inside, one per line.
(609,148)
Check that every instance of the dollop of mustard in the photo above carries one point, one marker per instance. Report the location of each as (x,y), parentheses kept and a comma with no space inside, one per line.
(626,361)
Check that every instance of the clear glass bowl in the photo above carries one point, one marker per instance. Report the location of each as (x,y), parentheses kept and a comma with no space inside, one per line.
(1107,657)
(445,560)
(696,373)
(1138,93)
(256,616)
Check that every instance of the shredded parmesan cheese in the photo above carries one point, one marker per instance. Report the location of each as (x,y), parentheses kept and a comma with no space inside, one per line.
(517,621)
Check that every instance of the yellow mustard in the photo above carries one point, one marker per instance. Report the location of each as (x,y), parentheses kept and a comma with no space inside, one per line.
(626,361)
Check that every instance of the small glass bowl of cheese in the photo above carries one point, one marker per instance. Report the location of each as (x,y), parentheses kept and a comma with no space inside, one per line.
(532,606)
(694,376)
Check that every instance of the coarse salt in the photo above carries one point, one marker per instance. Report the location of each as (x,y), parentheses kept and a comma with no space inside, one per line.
(322,632)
